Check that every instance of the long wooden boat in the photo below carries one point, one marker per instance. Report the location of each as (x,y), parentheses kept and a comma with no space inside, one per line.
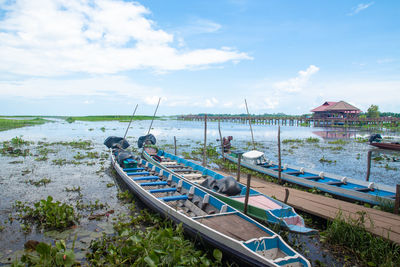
(347,188)
(260,206)
(204,215)
(390,146)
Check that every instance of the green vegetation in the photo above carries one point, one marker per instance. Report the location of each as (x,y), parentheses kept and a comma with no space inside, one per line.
(373,111)
(41,182)
(338,142)
(324,160)
(46,255)
(121,118)
(351,233)
(287,141)
(312,140)
(161,244)
(7,124)
(47,214)
(13,147)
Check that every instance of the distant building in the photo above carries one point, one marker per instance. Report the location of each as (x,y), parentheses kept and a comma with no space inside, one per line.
(339,109)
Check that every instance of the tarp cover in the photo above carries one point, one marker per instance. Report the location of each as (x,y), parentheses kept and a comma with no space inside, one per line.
(254,154)
(115,140)
(228,185)
(143,139)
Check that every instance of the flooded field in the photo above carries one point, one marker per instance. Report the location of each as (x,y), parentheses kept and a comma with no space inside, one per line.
(69,162)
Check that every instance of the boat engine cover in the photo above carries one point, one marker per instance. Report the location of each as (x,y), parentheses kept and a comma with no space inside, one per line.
(227,185)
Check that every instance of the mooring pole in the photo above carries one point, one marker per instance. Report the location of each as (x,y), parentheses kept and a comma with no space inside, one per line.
(238,167)
(279,156)
(368,165)
(286,195)
(175,144)
(246,200)
(397,200)
(205,141)
(220,137)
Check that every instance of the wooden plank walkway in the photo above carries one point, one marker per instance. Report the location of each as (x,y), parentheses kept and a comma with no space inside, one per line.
(385,224)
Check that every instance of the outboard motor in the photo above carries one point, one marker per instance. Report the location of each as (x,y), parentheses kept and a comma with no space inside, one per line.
(375,138)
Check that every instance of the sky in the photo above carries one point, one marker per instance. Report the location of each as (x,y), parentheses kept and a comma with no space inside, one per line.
(89,57)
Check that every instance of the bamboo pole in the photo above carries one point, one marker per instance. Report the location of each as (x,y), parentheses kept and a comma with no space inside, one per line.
(238,167)
(251,129)
(175,144)
(397,200)
(368,165)
(205,141)
(246,200)
(222,142)
(279,156)
(126,132)
(155,112)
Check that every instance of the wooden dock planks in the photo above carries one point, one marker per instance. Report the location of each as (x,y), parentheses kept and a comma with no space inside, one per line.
(385,224)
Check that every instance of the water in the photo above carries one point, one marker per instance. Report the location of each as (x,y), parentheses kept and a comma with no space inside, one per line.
(93,175)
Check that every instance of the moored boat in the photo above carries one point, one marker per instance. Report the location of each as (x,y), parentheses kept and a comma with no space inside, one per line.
(204,215)
(227,189)
(390,146)
(347,188)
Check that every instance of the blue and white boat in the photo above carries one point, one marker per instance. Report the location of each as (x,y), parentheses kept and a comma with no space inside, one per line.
(344,187)
(203,215)
(260,206)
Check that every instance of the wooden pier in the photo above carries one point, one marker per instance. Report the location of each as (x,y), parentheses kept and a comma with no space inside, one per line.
(298,120)
(385,224)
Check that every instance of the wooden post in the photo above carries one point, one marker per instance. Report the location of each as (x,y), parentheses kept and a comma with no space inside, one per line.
(251,130)
(246,200)
(220,137)
(368,165)
(397,200)
(286,195)
(175,144)
(279,156)
(205,141)
(238,167)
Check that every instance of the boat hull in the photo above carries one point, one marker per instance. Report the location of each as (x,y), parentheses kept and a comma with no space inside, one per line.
(390,146)
(193,227)
(379,194)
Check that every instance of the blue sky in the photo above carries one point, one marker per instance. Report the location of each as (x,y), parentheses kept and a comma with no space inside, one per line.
(74,57)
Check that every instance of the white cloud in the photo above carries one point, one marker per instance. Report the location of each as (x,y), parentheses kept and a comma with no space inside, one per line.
(58,37)
(359,8)
(211,102)
(297,84)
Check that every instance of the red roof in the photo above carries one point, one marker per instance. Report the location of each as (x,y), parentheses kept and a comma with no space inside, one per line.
(324,106)
(336,106)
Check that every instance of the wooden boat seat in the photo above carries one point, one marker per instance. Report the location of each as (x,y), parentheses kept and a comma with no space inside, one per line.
(336,183)
(168,162)
(143,178)
(312,177)
(185,170)
(277,169)
(293,173)
(363,189)
(192,175)
(233,226)
(174,166)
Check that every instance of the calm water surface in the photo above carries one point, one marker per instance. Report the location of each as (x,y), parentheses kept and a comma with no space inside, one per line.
(93,175)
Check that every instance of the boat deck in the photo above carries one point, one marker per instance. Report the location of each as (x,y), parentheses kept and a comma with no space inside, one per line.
(233,226)
(386,225)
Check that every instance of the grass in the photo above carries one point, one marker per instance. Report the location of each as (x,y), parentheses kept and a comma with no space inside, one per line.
(351,233)
(122,118)
(7,124)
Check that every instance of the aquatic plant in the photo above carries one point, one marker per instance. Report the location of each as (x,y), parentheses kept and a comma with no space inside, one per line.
(287,141)
(312,140)
(161,244)
(338,142)
(47,255)
(73,189)
(48,214)
(7,124)
(41,182)
(370,249)
(324,160)
(90,206)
